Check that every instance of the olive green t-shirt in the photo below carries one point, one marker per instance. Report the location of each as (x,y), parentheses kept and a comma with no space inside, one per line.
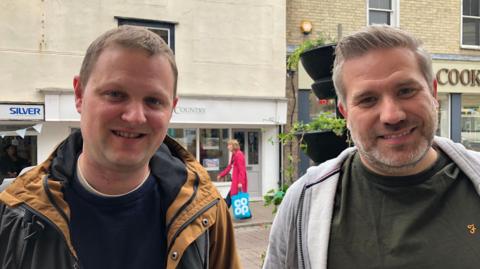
(428,220)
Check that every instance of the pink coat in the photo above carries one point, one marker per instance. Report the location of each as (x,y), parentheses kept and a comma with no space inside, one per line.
(239,174)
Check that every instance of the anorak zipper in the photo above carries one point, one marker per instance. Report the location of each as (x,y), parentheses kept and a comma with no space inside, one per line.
(190,200)
(54,226)
(189,221)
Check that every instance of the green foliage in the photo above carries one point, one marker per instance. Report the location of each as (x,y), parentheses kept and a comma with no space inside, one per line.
(323,122)
(294,58)
(275,196)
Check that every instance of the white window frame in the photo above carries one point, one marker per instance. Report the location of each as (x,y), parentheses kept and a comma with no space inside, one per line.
(169,38)
(167,26)
(476,47)
(394,12)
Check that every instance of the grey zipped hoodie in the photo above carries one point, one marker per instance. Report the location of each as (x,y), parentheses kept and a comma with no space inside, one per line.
(301,229)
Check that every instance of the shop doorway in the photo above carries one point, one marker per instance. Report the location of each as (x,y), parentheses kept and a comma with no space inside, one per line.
(249,140)
(25,151)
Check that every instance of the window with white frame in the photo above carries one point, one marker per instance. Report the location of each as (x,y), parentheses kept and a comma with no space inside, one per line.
(165,30)
(382,12)
(471,22)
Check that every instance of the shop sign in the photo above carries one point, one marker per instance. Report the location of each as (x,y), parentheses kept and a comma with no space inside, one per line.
(21,112)
(190,109)
(466,77)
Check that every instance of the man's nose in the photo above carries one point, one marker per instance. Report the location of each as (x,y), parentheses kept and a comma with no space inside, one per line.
(134,113)
(392,112)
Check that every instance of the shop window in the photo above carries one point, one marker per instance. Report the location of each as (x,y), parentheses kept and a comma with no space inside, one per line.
(186,137)
(16,153)
(166,30)
(471,121)
(214,154)
(382,12)
(471,22)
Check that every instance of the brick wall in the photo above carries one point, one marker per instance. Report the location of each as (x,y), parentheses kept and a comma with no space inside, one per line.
(325,16)
(437,23)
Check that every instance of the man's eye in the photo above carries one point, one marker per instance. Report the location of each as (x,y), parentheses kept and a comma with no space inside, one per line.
(115,95)
(367,101)
(153,101)
(406,92)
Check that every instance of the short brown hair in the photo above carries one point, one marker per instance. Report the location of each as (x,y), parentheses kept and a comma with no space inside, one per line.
(378,37)
(132,37)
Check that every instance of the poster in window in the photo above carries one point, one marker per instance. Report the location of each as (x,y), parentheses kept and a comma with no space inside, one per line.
(211,143)
(211,164)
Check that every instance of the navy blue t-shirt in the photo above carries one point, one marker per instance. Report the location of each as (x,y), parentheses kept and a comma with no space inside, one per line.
(118,232)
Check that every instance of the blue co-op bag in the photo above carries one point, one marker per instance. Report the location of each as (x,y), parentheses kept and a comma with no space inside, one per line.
(241,209)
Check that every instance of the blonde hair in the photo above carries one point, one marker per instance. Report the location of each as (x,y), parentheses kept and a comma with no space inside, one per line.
(130,37)
(234,143)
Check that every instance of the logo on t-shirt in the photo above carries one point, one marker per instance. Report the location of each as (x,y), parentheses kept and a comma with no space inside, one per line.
(471,228)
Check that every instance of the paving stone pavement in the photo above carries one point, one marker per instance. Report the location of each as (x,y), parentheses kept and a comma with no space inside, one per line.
(251,235)
(252,243)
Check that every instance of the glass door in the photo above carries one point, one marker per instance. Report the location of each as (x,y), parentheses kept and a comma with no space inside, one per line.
(249,141)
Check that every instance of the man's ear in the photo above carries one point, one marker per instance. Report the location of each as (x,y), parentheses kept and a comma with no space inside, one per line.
(435,94)
(175,101)
(78,91)
(342,109)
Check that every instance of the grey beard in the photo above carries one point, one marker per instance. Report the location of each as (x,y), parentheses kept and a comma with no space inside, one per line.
(388,167)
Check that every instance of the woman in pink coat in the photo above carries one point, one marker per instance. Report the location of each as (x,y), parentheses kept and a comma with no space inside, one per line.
(239,175)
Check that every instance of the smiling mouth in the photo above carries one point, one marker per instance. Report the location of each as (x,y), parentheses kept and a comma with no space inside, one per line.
(128,135)
(399,135)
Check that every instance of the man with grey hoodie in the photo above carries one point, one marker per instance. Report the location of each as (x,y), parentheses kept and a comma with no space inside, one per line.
(402,197)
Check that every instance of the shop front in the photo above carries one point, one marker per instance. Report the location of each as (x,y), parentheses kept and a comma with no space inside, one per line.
(203,125)
(20,125)
(459,99)
(205,130)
